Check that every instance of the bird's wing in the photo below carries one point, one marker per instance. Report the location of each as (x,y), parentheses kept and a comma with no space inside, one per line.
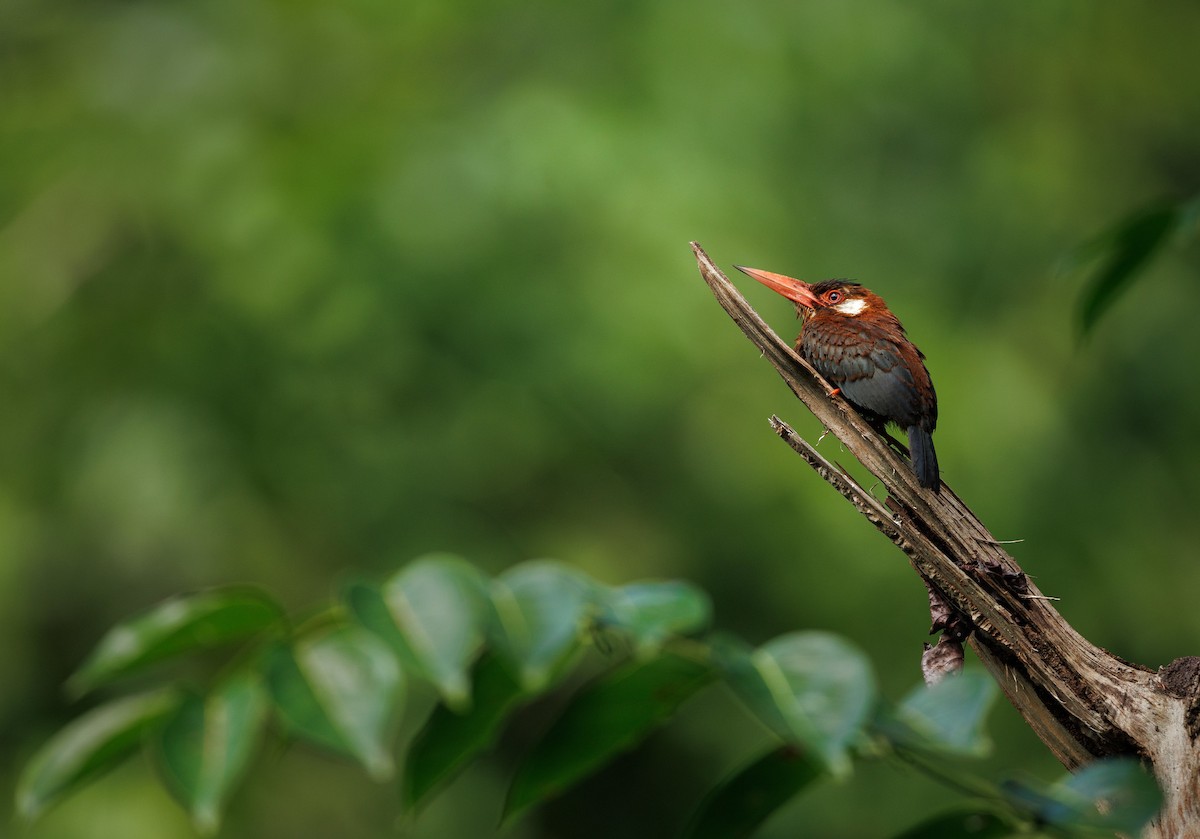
(869,368)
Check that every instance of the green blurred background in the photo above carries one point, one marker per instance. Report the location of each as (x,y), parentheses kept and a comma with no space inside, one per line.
(290,291)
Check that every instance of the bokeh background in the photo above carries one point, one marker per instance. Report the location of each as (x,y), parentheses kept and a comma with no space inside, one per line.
(290,291)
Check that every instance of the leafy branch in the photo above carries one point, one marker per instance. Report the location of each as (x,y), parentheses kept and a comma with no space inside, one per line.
(489,646)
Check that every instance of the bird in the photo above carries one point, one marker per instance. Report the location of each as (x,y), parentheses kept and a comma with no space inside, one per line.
(852,339)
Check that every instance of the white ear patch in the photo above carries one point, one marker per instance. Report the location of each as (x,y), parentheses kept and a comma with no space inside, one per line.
(851,307)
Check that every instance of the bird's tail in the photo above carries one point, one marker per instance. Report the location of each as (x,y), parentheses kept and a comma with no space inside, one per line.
(924,458)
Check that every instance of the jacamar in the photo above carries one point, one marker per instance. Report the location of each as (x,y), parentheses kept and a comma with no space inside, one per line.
(851,337)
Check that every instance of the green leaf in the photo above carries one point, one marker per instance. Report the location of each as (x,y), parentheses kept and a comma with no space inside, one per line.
(1127,249)
(1130,794)
(746,799)
(434,614)
(653,612)
(449,740)
(184,624)
(964,824)
(606,718)
(811,688)
(204,749)
(949,716)
(88,746)
(1110,795)
(539,611)
(342,690)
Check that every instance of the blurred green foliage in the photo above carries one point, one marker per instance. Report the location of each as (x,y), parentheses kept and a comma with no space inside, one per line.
(339,681)
(294,290)
(1123,252)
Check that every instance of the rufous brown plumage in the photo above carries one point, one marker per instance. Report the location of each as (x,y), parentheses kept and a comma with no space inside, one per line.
(851,337)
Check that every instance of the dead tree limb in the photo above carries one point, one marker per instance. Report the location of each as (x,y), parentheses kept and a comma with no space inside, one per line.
(1083,702)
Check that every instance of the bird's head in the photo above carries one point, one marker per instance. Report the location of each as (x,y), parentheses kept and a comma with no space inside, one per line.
(835,297)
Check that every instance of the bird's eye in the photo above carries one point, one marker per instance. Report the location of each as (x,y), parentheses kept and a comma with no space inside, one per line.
(834,297)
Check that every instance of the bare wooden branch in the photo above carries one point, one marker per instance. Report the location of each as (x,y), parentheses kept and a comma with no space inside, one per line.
(1082,701)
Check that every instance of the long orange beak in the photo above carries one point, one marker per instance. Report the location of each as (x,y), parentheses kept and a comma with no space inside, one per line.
(797,291)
